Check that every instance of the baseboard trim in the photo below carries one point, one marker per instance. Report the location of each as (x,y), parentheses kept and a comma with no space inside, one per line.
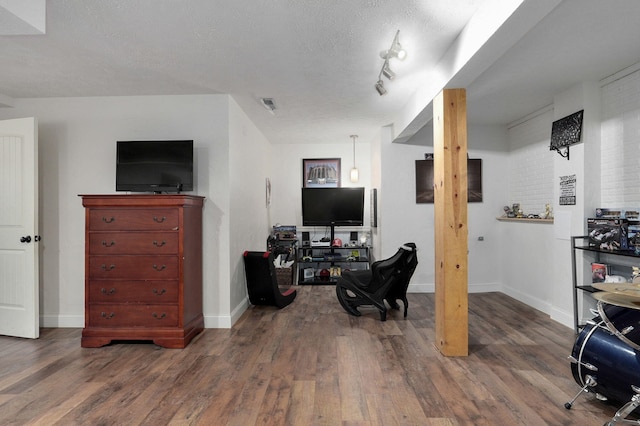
(227,321)
(473,288)
(62,321)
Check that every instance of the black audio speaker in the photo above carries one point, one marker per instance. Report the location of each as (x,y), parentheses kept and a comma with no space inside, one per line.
(305,239)
(354,236)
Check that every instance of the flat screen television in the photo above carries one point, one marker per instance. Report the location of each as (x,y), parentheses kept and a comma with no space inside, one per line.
(154,166)
(332,206)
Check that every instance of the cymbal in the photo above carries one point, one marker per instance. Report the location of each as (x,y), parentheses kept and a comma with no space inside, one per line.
(617,299)
(619,288)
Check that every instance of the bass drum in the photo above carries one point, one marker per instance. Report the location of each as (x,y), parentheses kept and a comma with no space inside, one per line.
(623,322)
(618,364)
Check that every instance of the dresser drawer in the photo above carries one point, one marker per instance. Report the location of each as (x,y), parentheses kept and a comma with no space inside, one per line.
(126,291)
(133,242)
(115,315)
(133,219)
(133,267)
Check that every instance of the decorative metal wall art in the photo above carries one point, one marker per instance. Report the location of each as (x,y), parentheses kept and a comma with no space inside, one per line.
(566,132)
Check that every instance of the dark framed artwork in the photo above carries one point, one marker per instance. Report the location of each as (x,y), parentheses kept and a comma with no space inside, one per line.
(424,181)
(321,173)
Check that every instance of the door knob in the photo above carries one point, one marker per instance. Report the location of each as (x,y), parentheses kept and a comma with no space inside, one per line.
(26,239)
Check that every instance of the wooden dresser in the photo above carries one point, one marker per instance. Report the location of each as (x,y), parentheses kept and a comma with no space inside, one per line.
(143,269)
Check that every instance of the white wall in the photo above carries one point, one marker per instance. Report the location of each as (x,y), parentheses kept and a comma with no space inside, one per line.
(286,178)
(620,142)
(77,140)
(402,220)
(233,159)
(249,162)
(527,262)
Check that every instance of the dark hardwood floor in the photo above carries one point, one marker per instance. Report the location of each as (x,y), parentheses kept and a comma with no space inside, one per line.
(308,364)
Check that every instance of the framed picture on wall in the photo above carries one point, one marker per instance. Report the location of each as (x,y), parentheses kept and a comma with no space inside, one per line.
(424,181)
(321,173)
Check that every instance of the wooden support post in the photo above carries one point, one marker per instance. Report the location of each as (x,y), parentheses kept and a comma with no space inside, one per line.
(450,214)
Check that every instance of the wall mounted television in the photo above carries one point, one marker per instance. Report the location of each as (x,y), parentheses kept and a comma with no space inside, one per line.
(154,166)
(332,206)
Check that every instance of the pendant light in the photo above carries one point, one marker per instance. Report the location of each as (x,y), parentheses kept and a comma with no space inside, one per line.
(354,171)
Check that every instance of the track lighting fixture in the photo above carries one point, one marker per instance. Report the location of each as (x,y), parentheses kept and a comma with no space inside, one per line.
(395,51)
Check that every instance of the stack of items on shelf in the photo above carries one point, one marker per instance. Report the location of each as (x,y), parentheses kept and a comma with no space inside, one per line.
(282,243)
(282,240)
(615,229)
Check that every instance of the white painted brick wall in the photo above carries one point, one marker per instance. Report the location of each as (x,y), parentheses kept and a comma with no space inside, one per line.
(620,136)
(530,168)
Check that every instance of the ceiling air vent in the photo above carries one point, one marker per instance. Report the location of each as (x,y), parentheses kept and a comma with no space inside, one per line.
(269,104)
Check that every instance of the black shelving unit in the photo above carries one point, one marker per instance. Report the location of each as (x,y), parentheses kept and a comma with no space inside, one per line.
(319,258)
(585,247)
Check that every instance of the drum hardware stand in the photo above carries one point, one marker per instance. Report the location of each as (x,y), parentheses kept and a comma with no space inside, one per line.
(621,414)
(591,382)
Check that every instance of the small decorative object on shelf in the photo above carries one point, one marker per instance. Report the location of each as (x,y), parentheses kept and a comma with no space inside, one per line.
(598,272)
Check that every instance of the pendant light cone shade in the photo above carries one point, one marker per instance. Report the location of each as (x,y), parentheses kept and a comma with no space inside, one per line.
(380,88)
(355,174)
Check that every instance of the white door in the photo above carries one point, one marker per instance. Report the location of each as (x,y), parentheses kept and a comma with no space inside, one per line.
(19,296)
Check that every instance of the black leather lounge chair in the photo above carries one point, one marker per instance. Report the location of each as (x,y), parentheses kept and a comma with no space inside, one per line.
(387,279)
(262,281)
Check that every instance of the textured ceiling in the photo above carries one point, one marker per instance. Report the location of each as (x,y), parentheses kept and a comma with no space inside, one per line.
(317,59)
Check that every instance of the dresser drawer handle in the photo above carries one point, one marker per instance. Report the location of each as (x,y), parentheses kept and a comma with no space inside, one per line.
(109,220)
(161,316)
(159,244)
(159,268)
(107,268)
(159,292)
(107,316)
(159,219)
(111,244)
(105,291)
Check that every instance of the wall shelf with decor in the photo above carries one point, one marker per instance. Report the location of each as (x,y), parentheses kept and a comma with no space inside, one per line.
(524,219)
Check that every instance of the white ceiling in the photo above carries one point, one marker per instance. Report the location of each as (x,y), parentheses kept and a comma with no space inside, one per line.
(319,60)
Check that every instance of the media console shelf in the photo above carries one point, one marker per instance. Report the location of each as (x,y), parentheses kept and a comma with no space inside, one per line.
(335,260)
(143,269)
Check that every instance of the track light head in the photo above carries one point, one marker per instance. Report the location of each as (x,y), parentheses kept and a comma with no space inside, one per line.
(397,51)
(386,71)
(380,88)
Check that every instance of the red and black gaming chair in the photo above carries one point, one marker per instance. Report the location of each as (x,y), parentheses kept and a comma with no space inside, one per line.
(262,281)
